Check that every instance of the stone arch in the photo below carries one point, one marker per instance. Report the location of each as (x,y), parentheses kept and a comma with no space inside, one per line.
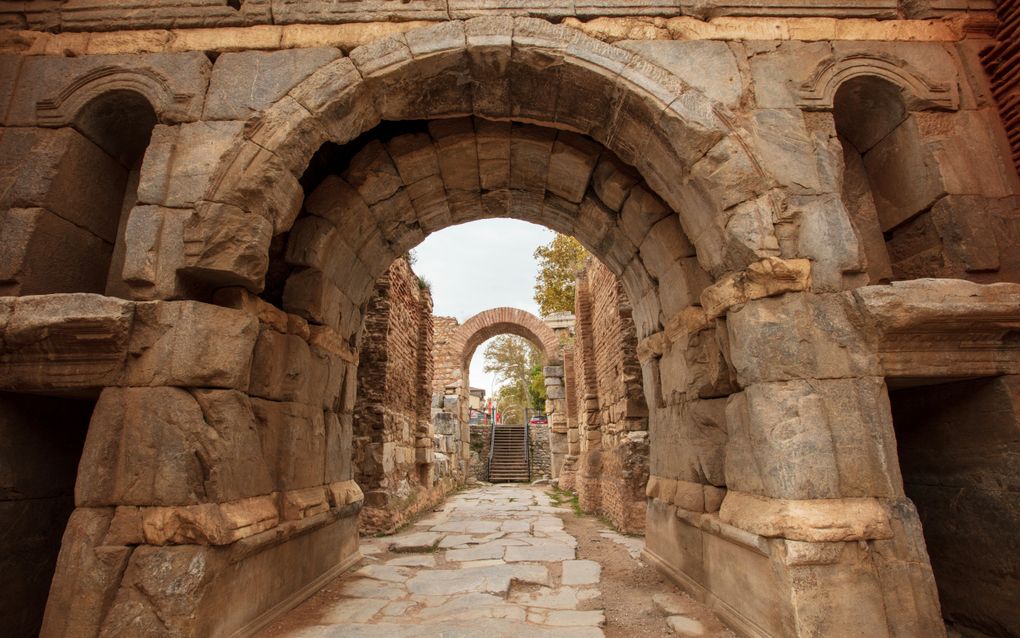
(63,107)
(819,91)
(690,151)
(456,354)
(397,191)
(694,176)
(496,321)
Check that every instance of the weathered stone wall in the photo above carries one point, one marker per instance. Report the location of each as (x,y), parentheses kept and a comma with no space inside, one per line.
(296,161)
(481,441)
(613,462)
(225,424)
(447,363)
(393,441)
(541,457)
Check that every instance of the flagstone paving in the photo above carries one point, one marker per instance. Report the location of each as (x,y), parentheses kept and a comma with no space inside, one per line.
(493,561)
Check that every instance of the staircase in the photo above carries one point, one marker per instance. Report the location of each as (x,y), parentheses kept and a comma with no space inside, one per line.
(509,458)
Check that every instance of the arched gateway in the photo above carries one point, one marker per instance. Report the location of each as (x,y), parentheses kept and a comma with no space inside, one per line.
(255,244)
(455,353)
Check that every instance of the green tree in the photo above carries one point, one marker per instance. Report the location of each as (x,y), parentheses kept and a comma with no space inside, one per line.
(558,263)
(515,362)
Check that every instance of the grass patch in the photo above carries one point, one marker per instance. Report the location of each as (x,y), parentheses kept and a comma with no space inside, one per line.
(560,497)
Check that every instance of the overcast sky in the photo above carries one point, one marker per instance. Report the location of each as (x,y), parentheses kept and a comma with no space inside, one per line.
(481,265)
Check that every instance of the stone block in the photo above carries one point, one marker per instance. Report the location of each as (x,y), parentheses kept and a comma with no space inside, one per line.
(828,438)
(293,440)
(281,368)
(256,180)
(162,586)
(642,210)
(154,251)
(208,524)
(373,174)
(456,153)
(244,84)
(493,142)
(969,151)
(299,504)
(339,444)
(763,278)
(664,244)
(904,176)
(784,146)
(189,343)
(86,578)
(181,161)
(65,173)
(819,520)
(686,281)
(799,336)
(167,446)
(793,60)
(63,341)
(344,493)
(44,253)
(571,164)
(967,232)
(311,294)
(827,237)
(707,65)
(223,244)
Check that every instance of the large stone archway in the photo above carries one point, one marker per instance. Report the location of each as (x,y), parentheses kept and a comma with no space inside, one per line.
(218,452)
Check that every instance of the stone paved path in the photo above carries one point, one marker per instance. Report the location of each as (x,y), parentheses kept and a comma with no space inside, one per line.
(494,561)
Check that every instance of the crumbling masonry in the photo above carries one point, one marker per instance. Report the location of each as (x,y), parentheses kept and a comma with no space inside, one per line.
(811,206)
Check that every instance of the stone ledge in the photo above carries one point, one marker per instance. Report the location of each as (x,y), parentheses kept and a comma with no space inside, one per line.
(351,35)
(80,341)
(816,520)
(943,327)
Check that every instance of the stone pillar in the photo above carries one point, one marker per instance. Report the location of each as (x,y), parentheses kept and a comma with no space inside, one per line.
(813,512)
(556,411)
(559,422)
(219,431)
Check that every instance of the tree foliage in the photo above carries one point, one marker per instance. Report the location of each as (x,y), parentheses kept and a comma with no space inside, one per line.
(515,361)
(558,263)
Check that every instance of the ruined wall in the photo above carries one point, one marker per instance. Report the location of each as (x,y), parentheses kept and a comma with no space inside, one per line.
(1000,61)
(613,441)
(541,457)
(393,442)
(446,363)
(772,455)
(226,424)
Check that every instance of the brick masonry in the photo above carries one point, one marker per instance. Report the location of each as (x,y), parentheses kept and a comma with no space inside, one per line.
(393,444)
(609,402)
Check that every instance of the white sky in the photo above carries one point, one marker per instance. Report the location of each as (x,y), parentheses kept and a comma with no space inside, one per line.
(481,265)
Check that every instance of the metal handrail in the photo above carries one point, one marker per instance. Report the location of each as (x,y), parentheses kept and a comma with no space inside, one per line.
(492,449)
(527,446)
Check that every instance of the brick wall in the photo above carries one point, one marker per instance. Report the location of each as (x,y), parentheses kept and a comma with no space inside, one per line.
(1001,63)
(608,402)
(393,449)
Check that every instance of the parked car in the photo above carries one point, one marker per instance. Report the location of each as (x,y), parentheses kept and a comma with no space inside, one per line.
(539,420)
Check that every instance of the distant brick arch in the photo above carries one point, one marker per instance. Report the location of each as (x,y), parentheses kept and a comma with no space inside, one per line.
(455,355)
(496,321)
